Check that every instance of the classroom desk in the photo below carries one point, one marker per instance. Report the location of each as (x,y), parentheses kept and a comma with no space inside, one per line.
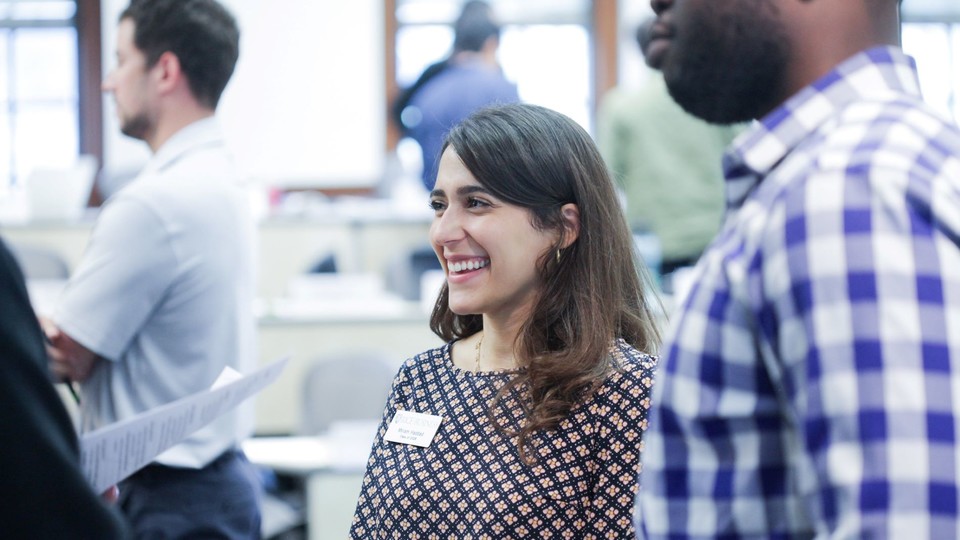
(289,246)
(401,330)
(332,468)
(67,238)
(362,237)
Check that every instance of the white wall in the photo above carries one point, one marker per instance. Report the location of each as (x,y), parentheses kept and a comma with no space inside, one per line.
(305,104)
(631,68)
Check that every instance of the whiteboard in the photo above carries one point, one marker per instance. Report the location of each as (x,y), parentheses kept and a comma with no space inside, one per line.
(305,106)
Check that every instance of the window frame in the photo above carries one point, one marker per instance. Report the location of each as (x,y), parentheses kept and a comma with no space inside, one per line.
(602,29)
(86,24)
(90,75)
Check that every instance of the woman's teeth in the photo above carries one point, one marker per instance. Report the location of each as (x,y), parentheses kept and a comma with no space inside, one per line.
(465,266)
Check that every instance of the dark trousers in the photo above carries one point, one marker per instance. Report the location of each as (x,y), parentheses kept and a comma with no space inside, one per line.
(219,501)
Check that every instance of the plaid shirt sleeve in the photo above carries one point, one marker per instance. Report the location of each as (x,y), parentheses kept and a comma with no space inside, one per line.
(811,384)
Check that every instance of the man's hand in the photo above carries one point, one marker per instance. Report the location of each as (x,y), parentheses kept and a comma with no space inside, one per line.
(111,495)
(69,360)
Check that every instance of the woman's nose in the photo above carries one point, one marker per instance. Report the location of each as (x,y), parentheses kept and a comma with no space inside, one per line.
(446,228)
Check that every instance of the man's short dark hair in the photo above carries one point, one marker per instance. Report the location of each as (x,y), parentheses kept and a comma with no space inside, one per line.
(474,26)
(201,33)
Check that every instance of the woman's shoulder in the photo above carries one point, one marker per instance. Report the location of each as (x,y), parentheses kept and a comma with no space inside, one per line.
(632,369)
(622,399)
(628,359)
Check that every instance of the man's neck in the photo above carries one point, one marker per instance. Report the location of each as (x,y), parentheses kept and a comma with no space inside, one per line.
(483,56)
(174,122)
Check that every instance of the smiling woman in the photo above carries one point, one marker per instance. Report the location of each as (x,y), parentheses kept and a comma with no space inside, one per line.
(540,394)
(474,227)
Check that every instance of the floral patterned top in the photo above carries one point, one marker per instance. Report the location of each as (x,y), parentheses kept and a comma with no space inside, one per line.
(470,482)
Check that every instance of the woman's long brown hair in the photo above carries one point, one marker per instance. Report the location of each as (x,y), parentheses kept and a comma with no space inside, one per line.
(539,159)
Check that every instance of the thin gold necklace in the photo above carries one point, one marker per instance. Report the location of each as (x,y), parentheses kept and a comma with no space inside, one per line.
(479,343)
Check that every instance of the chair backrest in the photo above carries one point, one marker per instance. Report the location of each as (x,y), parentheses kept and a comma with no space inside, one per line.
(349,386)
(403,276)
(39,262)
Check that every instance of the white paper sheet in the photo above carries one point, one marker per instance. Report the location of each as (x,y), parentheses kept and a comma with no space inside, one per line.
(111,453)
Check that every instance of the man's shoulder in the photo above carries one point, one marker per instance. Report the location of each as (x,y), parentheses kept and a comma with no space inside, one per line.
(893,135)
(892,145)
(193,174)
(901,122)
(212,162)
(873,154)
(201,204)
(451,84)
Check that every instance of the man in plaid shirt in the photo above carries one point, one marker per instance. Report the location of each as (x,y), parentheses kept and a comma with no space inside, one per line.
(810,384)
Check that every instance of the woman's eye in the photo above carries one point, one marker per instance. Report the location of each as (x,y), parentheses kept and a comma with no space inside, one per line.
(437,206)
(476,203)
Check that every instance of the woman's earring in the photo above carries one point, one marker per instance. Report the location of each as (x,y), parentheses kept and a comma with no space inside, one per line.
(558,256)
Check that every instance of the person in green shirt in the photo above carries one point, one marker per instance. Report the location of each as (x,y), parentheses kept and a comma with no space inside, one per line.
(667,162)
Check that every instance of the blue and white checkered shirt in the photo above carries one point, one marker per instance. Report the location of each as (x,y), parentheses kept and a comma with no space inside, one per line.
(810,385)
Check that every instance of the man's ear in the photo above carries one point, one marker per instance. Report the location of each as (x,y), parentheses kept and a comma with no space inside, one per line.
(571,223)
(167,72)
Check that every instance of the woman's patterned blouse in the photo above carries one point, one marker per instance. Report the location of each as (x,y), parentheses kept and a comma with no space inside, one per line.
(471,483)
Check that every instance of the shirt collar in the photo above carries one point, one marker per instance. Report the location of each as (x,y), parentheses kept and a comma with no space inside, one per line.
(872,74)
(202,133)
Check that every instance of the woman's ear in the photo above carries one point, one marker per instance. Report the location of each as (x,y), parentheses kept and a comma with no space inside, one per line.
(571,223)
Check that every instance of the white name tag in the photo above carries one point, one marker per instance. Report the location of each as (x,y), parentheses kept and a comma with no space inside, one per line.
(414,428)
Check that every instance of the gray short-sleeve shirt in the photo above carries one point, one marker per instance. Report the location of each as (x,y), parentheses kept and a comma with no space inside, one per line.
(164,292)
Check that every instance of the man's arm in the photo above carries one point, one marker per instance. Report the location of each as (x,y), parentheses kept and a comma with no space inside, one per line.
(124,272)
(69,359)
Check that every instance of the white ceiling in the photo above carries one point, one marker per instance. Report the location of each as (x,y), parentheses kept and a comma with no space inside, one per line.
(442,11)
(931,10)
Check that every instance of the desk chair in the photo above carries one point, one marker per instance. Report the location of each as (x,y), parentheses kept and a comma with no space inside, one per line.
(351,386)
(403,275)
(39,262)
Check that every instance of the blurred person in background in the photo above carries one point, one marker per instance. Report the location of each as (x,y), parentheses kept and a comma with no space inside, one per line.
(449,90)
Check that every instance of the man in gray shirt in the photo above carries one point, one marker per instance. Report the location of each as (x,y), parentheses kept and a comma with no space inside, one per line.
(162,300)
